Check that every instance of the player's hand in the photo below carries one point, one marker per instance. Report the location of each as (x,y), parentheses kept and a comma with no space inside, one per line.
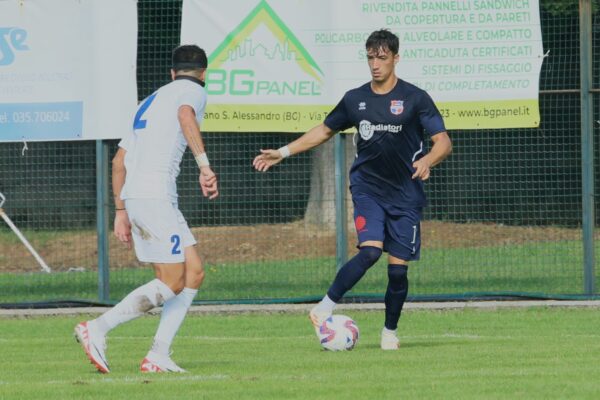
(422,169)
(208,183)
(266,159)
(122,229)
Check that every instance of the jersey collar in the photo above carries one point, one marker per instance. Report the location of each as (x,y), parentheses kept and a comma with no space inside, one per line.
(190,78)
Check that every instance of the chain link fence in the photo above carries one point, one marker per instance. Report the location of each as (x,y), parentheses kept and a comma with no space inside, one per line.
(505,214)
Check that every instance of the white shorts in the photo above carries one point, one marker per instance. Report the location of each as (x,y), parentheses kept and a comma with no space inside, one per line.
(159,230)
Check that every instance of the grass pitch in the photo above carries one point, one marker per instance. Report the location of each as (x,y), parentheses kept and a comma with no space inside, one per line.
(533,353)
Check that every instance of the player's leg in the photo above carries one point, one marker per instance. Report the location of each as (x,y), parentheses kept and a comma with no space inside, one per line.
(395,296)
(169,281)
(369,219)
(153,242)
(403,243)
(92,334)
(174,311)
(173,314)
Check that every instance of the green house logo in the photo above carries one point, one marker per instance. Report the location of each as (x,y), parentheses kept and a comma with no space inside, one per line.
(239,44)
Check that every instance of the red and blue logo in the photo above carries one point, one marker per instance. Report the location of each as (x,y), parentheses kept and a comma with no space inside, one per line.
(396,107)
(360,223)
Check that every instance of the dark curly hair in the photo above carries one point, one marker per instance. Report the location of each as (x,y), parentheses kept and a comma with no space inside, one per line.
(383,39)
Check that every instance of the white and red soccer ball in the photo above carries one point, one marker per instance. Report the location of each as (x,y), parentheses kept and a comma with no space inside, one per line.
(338,333)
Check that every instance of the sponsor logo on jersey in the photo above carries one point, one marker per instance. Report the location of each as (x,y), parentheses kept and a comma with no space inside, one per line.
(366,129)
(397,106)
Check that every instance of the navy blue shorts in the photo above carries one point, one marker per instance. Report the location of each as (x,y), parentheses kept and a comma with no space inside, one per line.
(398,229)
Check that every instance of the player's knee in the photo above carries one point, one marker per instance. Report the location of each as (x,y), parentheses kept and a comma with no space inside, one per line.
(171,275)
(398,275)
(194,272)
(194,278)
(370,255)
(177,286)
(175,282)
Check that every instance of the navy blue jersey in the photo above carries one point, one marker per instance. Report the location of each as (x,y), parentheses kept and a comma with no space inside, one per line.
(391,129)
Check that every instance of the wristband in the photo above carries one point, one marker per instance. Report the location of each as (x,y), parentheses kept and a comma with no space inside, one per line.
(202,160)
(120,209)
(284,151)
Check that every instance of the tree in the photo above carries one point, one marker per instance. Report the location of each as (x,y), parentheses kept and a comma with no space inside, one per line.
(320,210)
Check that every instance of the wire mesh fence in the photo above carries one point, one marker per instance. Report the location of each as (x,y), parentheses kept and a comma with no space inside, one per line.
(504,215)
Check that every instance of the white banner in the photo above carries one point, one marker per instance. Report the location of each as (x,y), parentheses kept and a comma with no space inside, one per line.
(67,69)
(280,65)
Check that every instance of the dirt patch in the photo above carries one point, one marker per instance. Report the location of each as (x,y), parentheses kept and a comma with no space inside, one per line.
(256,243)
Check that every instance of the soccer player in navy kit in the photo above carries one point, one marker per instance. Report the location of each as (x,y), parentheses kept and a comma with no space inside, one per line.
(392,118)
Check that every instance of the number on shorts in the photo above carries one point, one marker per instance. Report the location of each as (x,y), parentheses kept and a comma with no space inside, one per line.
(138,122)
(176,242)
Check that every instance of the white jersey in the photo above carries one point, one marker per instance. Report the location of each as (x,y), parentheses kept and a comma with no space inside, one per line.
(156,144)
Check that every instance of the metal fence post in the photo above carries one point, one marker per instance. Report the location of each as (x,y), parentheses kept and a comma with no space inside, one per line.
(102,218)
(587,144)
(341,214)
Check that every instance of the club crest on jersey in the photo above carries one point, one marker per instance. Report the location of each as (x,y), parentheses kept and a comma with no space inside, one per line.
(396,107)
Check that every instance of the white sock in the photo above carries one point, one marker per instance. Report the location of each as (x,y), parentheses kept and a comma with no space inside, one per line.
(389,331)
(326,305)
(135,304)
(172,316)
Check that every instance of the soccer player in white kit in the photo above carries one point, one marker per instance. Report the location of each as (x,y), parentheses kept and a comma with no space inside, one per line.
(144,175)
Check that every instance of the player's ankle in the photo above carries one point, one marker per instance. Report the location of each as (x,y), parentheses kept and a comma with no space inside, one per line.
(387,331)
(326,305)
(161,348)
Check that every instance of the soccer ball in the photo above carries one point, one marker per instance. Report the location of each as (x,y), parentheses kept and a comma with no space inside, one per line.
(338,333)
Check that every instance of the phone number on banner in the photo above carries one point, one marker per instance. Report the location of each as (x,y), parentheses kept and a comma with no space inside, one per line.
(41,121)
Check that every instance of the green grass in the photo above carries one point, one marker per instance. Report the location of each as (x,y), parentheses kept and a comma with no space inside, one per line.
(540,268)
(535,353)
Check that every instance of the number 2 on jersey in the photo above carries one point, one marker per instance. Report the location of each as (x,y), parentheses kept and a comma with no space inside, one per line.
(176,242)
(138,122)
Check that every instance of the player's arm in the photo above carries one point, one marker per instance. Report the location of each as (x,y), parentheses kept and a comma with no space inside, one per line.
(122,227)
(442,147)
(191,132)
(314,137)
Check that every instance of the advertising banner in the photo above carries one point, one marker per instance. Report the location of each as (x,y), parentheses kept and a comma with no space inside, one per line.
(67,69)
(281,65)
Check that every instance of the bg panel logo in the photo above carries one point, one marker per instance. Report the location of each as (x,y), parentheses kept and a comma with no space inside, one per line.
(11,40)
(262,56)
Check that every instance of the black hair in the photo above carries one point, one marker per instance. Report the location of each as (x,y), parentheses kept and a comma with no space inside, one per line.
(383,39)
(189,57)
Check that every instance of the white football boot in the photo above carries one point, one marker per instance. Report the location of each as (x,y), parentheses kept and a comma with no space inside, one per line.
(154,362)
(94,345)
(317,317)
(389,340)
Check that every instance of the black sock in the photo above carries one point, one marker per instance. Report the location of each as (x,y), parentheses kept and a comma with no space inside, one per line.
(396,294)
(352,271)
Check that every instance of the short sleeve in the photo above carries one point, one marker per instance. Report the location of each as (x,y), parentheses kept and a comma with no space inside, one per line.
(338,119)
(430,116)
(193,98)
